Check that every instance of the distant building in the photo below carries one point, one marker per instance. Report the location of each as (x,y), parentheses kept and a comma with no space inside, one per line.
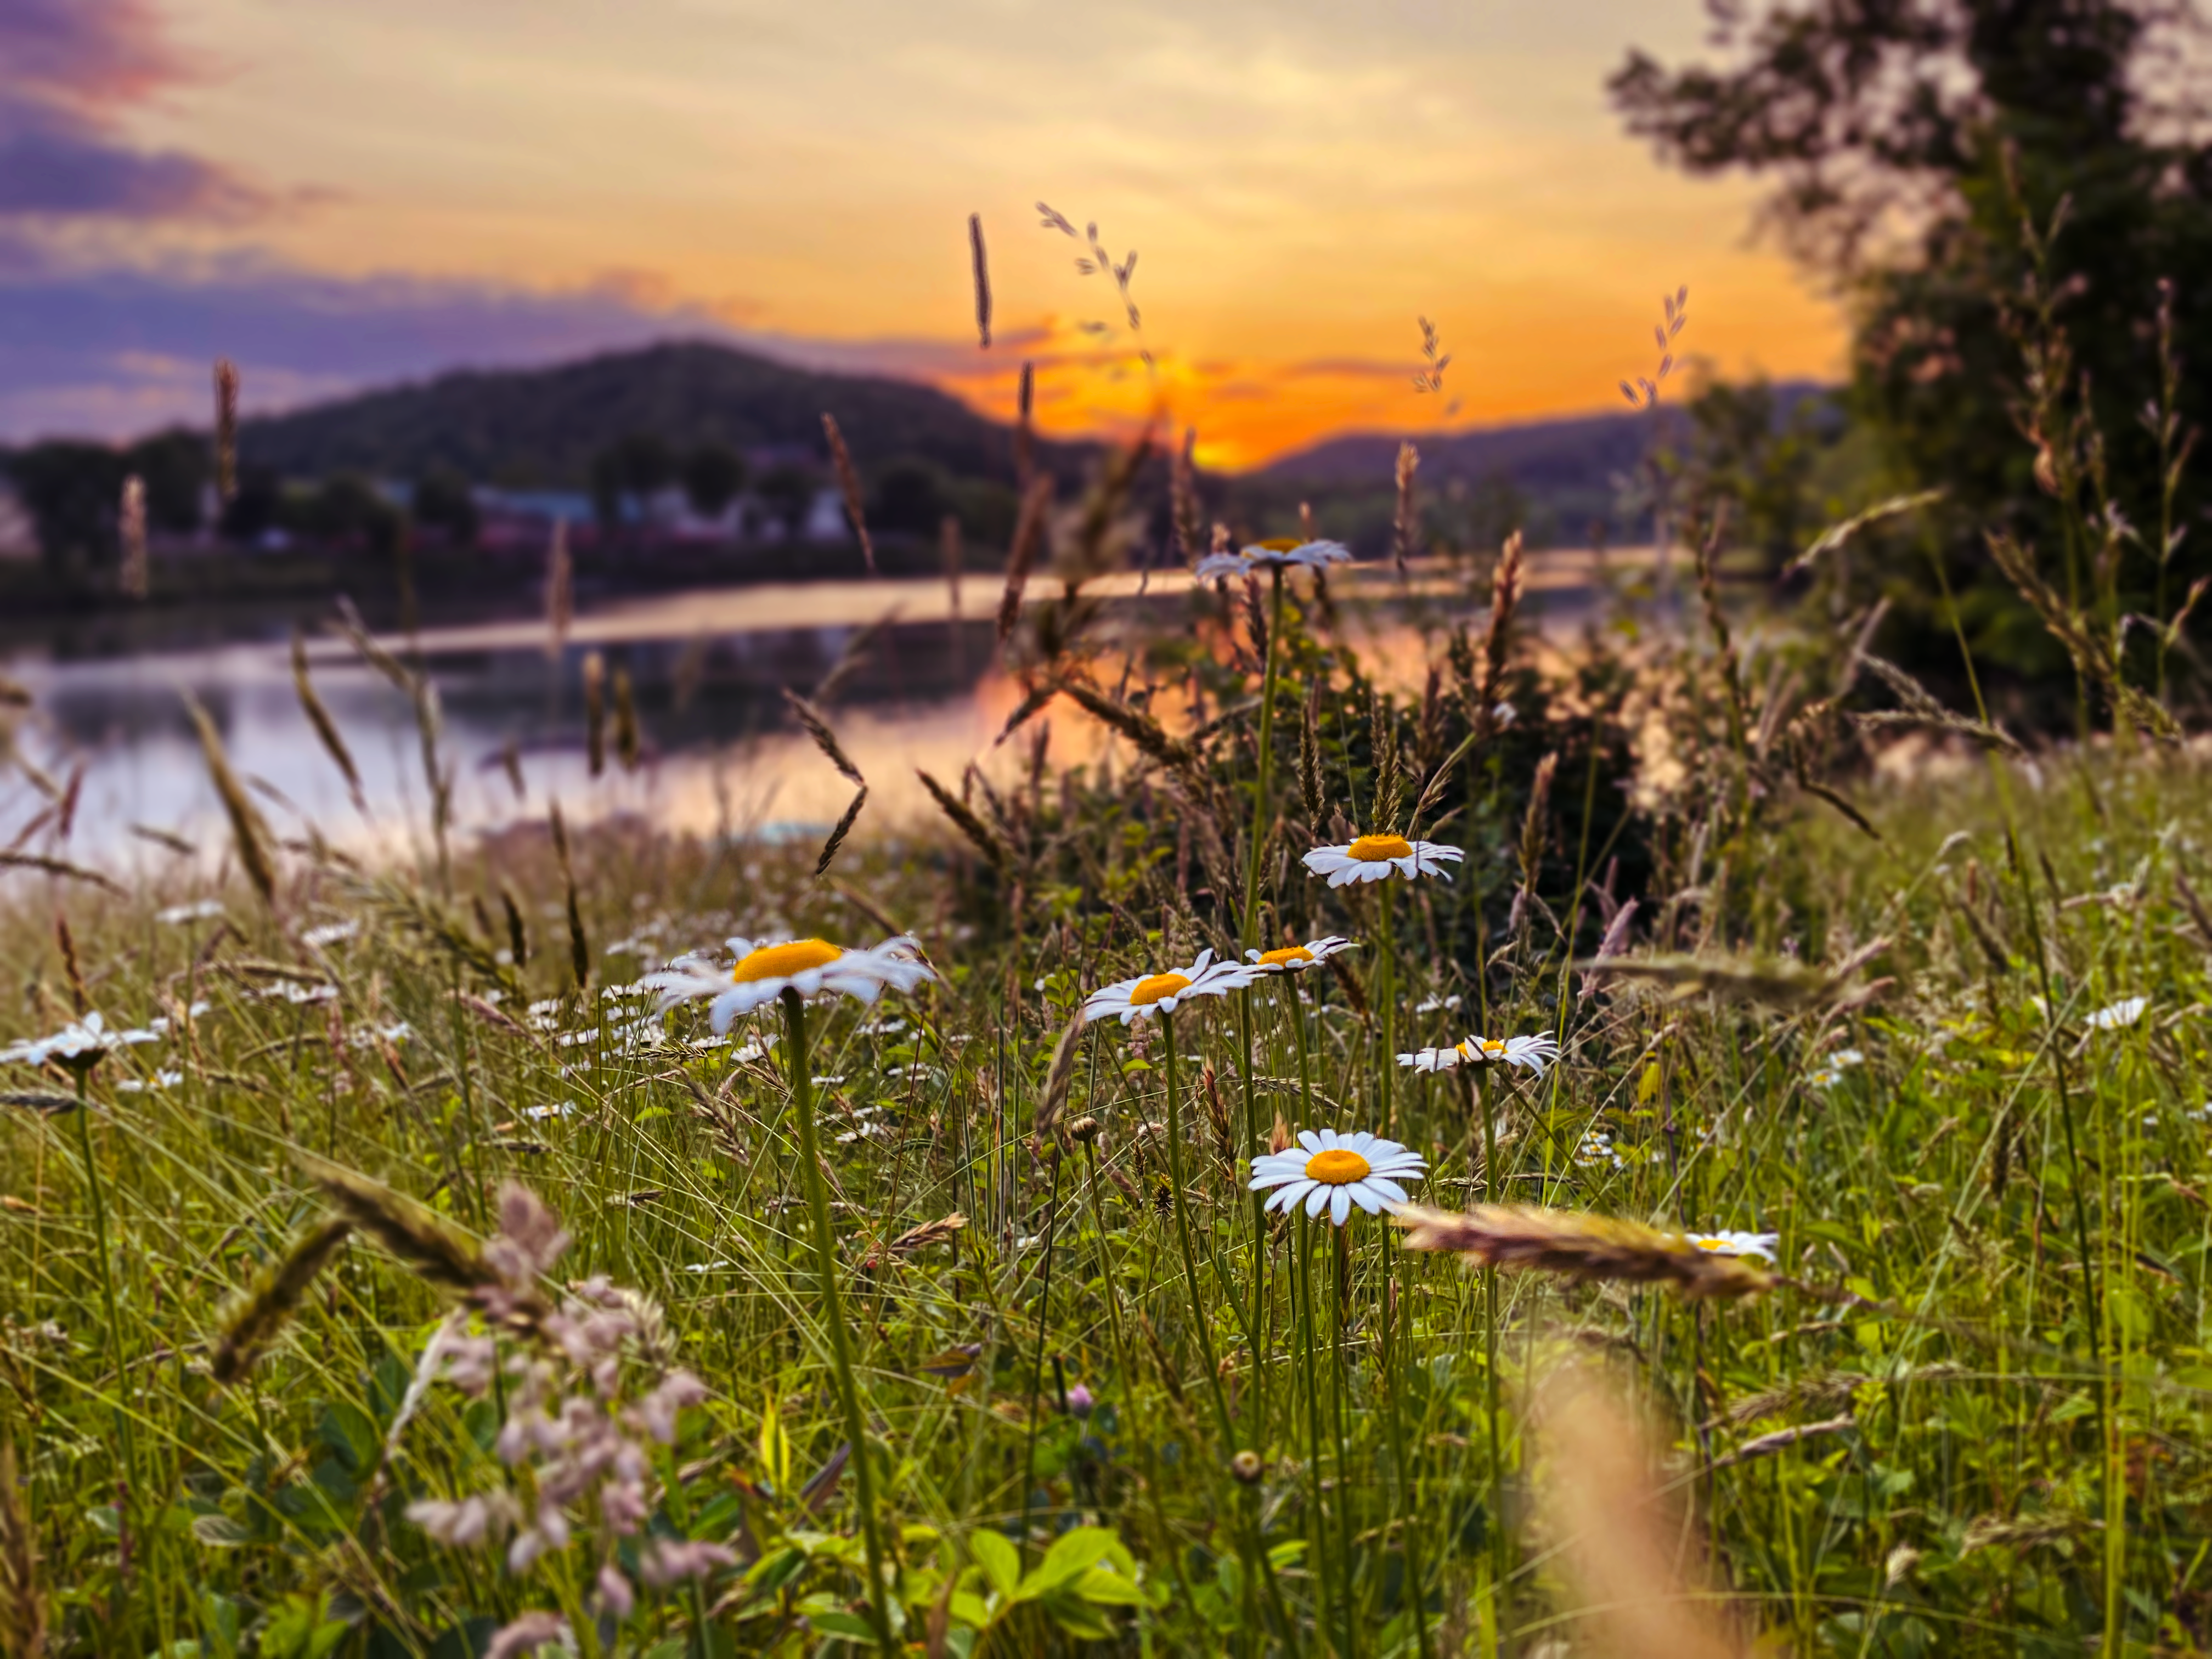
(825,519)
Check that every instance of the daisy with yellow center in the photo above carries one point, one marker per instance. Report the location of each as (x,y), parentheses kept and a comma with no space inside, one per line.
(763,972)
(1296,958)
(1378,858)
(1529,1052)
(1277,553)
(1758,1244)
(1330,1171)
(1163,993)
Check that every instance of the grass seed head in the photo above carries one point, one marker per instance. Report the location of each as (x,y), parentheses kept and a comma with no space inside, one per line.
(1579,1247)
(251,1321)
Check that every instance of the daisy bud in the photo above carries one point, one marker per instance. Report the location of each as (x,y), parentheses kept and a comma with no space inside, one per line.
(1245,1465)
(1084,1129)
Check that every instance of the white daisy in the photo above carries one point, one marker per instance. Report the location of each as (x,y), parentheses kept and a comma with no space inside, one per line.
(811,967)
(1828,1075)
(176,914)
(1758,1244)
(1332,1171)
(1378,858)
(334,933)
(1162,993)
(1530,1053)
(1596,1149)
(1434,1060)
(2121,1014)
(1278,553)
(81,1044)
(1296,958)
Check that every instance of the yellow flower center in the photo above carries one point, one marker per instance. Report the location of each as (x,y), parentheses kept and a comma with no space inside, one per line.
(782,961)
(1490,1046)
(1375,850)
(1155,986)
(1714,1245)
(1280,543)
(1337,1167)
(1288,953)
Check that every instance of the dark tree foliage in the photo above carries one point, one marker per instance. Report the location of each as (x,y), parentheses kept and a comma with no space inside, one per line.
(445,505)
(1905,139)
(176,468)
(714,473)
(73,492)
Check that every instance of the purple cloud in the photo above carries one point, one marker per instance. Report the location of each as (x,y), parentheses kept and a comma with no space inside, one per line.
(113,351)
(68,69)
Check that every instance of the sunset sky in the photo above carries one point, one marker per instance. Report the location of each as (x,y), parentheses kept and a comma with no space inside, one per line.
(345,193)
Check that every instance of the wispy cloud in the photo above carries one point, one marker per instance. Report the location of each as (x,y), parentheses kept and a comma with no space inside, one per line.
(69,69)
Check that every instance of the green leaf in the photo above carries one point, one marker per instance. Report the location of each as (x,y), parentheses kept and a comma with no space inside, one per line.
(1109,1589)
(1078,1618)
(1076,1553)
(848,1625)
(221,1531)
(996,1556)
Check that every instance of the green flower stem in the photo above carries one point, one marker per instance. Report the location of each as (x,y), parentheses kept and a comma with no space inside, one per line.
(107,1284)
(1498,1559)
(1199,1322)
(1386,996)
(825,1259)
(1336,1390)
(1316,1521)
(1394,1341)
(1264,785)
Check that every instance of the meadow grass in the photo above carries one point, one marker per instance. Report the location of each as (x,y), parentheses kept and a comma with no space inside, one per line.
(295,1365)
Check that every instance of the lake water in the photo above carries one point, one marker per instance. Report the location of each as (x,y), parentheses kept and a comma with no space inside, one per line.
(708,667)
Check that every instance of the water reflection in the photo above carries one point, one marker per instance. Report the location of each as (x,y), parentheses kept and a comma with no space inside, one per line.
(709,668)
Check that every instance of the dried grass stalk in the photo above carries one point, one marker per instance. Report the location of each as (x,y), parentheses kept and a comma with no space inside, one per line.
(1151,739)
(1024,431)
(1406,526)
(579,948)
(247,827)
(1837,535)
(1773,982)
(844,829)
(1535,825)
(326,727)
(1920,709)
(136,572)
(858,644)
(2091,652)
(22,1600)
(2197,913)
(1579,1247)
(817,727)
(943,1230)
(1029,536)
(1505,586)
(517,935)
(11,859)
(251,1321)
(1187,517)
(1059,1079)
(982,267)
(979,834)
(595,711)
(629,740)
(849,480)
(1604,1498)
(226,430)
(418,1235)
(560,590)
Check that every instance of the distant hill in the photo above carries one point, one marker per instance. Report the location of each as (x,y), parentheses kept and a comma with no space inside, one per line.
(1577,451)
(1560,477)
(542,427)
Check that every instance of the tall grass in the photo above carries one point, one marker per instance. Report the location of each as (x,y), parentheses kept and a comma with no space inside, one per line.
(1003,1359)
